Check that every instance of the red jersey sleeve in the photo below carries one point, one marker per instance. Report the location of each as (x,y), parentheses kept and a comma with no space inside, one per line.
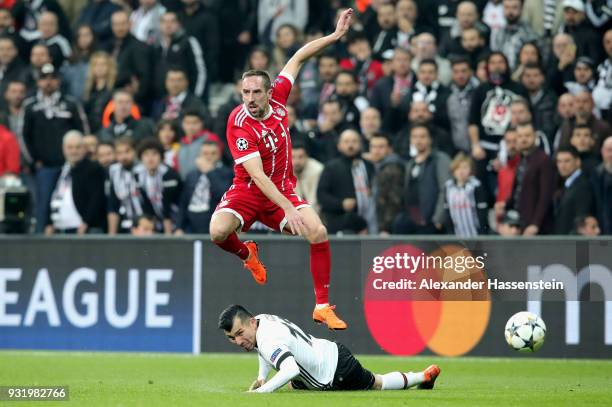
(282,87)
(242,144)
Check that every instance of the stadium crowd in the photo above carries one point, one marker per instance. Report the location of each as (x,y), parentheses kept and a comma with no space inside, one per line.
(431,117)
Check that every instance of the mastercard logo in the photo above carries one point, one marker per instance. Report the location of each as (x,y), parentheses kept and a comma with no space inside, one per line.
(448,322)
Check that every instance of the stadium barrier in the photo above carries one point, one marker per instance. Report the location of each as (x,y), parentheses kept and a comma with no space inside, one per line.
(423,295)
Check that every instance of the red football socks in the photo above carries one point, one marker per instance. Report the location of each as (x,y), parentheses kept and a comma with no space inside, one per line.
(320,265)
(233,245)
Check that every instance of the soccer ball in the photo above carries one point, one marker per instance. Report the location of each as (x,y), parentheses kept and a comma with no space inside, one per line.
(525,332)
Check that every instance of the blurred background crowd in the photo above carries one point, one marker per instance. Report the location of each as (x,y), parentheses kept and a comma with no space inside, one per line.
(429,117)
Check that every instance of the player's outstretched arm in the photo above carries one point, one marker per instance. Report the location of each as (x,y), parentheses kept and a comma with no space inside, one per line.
(312,48)
(288,370)
(295,221)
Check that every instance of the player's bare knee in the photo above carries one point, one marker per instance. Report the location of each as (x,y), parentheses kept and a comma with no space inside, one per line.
(318,235)
(218,233)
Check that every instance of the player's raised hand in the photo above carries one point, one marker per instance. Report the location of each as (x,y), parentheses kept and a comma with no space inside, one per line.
(295,222)
(344,22)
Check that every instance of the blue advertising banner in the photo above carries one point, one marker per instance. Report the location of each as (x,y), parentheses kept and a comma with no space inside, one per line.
(100,295)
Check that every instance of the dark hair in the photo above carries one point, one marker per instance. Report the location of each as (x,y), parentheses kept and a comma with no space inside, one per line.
(535,45)
(347,72)
(227,316)
(173,125)
(265,76)
(582,127)
(531,65)
(329,55)
(570,150)
(106,143)
(125,141)
(429,61)
(459,59)
(580,221)
(381,135)
(150,143)
(176,68)
(420,126)
(298,144)
(356,36)
(194,112)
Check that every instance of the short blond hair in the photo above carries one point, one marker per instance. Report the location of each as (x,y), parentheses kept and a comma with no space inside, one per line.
(460,159)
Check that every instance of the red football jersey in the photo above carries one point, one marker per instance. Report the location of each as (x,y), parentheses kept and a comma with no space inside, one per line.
(269,138)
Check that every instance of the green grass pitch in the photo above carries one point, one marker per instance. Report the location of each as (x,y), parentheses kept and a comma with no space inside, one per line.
(128,379)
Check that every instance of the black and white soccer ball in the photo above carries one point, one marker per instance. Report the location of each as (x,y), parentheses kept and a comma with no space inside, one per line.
(525,332)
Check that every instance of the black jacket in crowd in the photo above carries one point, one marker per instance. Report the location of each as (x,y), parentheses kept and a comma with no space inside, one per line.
(335,185)
(88,178)
(569,203)
(186,53)
(601,179)
(45,126)
(203,25)
(134,60)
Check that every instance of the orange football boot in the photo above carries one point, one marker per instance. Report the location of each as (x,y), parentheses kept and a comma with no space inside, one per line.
(431,374)
(254,265)
(327,316)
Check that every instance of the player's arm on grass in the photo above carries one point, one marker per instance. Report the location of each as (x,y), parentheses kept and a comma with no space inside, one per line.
(287,371)
(254,167)
(262,375)
(292,68)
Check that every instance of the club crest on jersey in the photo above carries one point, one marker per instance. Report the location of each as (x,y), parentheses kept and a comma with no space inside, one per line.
(242,144)
(280,112)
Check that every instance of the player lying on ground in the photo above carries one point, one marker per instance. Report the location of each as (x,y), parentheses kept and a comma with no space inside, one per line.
(263,187)
(308,363)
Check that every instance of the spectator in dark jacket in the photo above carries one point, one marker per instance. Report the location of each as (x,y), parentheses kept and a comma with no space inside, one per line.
(124,203)
(178,97)
(389,174)
(59,47)
(423,187)
(584,115)
(588,41)
(7,29)
(602,188)
(134,62)
(533,187)
(345,189)
(122,123)
(390,90)
(48,117)
(201,23)
(27,14)
(543,101)
(97,14)
(11,66)
(574,198)
(583,141)
(203,189)
(179,50)
(77,204)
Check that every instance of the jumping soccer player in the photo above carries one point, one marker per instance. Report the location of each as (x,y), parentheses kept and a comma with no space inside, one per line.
(263,187)
(308,363)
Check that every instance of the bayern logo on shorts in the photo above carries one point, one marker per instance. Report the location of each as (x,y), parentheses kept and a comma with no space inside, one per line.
(242,144)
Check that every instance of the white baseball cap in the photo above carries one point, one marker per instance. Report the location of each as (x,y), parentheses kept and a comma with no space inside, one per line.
(577,5)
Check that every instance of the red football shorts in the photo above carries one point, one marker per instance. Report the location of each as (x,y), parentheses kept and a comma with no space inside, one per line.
(250,205)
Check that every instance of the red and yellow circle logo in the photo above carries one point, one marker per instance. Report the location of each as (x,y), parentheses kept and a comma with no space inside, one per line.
(409,307)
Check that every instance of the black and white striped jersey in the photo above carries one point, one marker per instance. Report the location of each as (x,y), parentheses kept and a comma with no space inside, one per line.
(278,338)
